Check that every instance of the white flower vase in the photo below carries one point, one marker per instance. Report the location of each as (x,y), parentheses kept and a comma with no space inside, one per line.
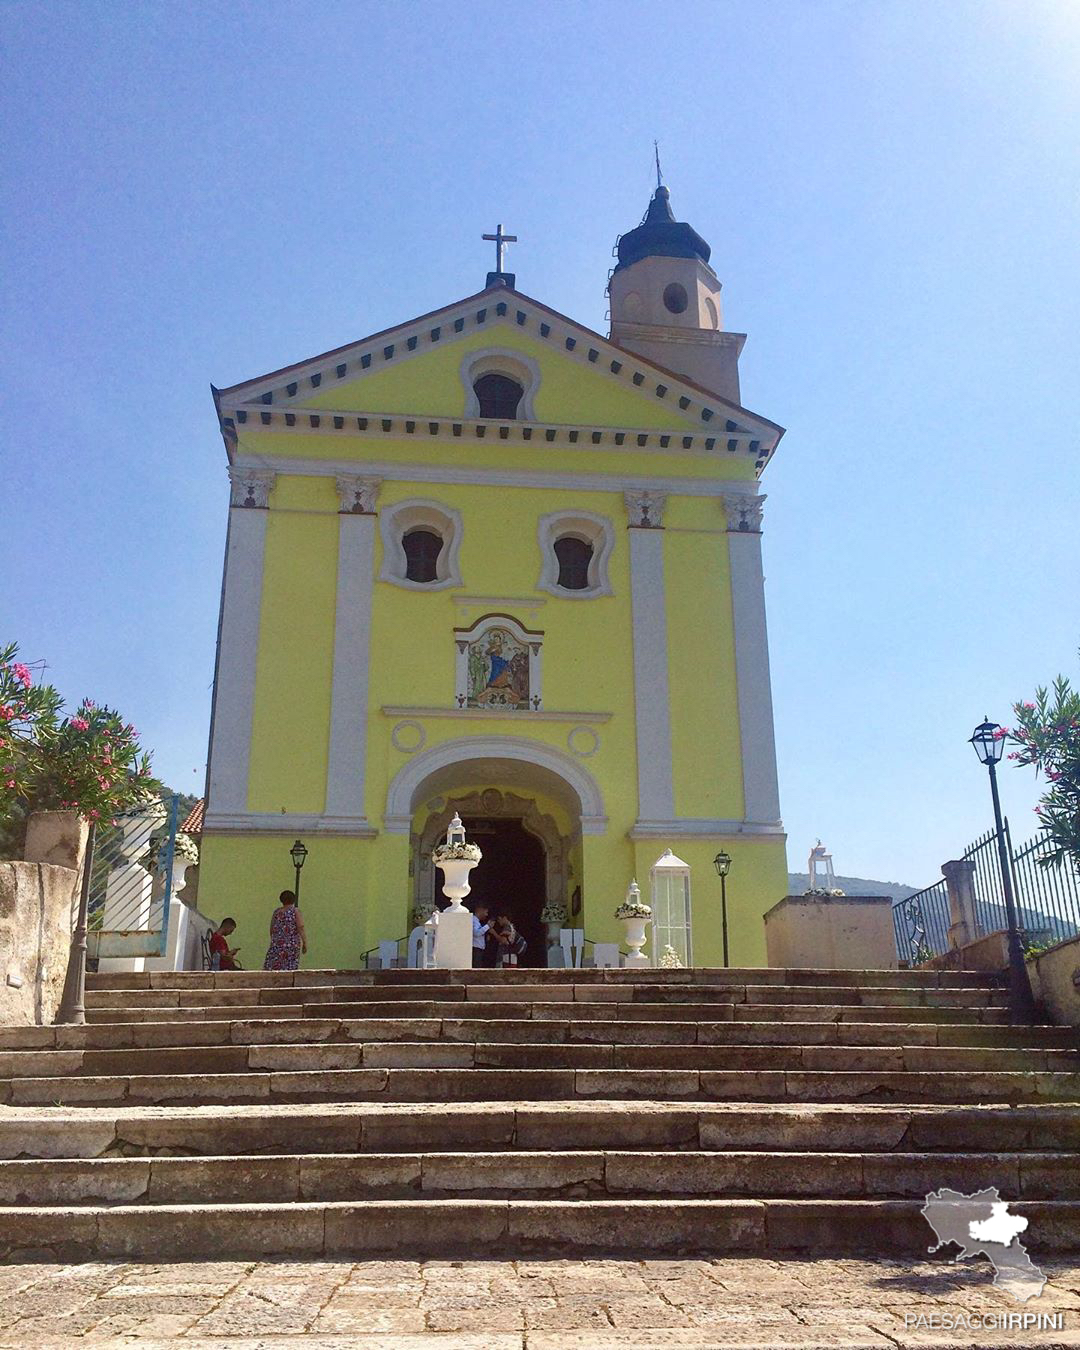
(456,881)
(635,940)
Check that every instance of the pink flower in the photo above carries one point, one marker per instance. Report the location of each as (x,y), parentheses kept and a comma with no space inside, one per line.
(6,712)
(80,724)
(11,782)
(22,674)
(1029,706)
(89,703)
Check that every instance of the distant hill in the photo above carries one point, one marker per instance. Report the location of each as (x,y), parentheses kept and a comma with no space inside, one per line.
(798,882)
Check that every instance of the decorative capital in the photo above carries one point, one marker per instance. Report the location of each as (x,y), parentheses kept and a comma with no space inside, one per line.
(743,513)
(250,487)
(645,509)
(356,494)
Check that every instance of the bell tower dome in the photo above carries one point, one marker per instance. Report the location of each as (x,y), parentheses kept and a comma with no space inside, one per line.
(665,301)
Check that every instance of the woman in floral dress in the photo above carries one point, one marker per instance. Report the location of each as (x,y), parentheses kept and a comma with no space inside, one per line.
(287,936)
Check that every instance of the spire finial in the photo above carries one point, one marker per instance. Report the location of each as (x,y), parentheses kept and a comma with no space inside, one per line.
(659,175)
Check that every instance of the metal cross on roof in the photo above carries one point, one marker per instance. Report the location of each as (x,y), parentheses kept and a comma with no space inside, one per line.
(500,241)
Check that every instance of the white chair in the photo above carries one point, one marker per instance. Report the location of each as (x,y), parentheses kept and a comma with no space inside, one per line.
(388,956)
(606,955)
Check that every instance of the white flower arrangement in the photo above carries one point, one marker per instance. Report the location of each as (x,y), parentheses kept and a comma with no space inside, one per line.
(147,806)
(420,916)
(633,909)
(553,913)
(185,850)
(455,853)
(818,890)
(670,959)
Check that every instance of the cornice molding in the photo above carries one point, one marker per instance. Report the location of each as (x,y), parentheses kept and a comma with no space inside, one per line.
(471,476)
(266,822)
(498,714)
(728,438)
(691,828)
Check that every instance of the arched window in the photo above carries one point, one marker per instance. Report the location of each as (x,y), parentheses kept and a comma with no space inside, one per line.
(498,395)
(574,557)
(422,549)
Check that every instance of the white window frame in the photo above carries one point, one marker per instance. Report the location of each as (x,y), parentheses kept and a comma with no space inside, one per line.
(501,361)
(396,521)
(593,529)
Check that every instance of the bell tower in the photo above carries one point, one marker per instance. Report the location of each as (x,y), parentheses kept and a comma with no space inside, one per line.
(665,302)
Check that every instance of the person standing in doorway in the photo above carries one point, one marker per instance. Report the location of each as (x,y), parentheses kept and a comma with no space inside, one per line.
(480,930)
(287,936)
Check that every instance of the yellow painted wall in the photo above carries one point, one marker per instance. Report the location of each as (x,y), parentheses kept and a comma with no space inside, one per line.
(430,384)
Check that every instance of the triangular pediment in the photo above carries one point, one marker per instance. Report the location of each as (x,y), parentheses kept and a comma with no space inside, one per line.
(416,369)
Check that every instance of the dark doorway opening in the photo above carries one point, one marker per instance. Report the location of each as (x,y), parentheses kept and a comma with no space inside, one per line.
(511,877)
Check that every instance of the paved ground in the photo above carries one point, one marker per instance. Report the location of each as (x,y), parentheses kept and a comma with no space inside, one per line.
(520,1305)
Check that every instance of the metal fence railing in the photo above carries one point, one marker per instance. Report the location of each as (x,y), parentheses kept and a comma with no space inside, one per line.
(131,882)
(1047,900)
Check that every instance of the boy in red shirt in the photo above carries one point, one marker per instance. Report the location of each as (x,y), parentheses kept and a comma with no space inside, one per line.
(222,956)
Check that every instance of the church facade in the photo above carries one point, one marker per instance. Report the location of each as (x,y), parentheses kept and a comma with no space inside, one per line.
(491,562)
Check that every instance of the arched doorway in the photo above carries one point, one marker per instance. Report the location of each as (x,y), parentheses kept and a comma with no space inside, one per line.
(512,879)
(517,787)
(528,859)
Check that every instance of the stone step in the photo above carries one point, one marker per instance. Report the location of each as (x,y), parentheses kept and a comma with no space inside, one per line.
(587,1053)
(307,1030)
(504,1084)
(506,1228)
(288,979)
(582,1175)
(257,1128)
(597,992)
(688,1012)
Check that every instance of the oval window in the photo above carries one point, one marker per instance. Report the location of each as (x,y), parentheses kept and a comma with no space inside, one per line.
(498,395)
(422,549)
(675,298)
(574,557)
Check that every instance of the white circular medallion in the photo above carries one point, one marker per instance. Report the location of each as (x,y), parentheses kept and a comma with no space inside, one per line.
(408,737)
(583,741)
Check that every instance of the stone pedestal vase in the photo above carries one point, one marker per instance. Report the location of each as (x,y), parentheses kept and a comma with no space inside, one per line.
(456,881)
(635,939)
(453,932)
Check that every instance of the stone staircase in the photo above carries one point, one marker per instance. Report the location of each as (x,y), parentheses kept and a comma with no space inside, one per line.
(584,1112)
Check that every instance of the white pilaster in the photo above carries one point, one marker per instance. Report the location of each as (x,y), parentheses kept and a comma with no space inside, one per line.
(346,765)
(652,709)
(761,794)
(241,607)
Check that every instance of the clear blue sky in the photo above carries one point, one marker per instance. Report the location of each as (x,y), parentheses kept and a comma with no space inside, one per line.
(208,191)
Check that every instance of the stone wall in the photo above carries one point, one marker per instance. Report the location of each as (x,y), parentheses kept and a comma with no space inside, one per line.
(1055,981)
(831,932)
(35,935)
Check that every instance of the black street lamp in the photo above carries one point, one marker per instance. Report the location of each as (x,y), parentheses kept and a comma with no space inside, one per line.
(298,854)
(722,863)
(988,741)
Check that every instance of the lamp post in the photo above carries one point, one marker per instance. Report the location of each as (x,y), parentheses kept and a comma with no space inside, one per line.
(298,854)
(988,741)
(722,863)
